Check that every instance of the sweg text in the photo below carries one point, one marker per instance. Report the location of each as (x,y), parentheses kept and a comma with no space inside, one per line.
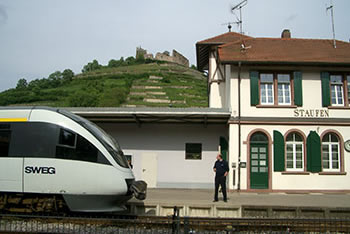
(40,170)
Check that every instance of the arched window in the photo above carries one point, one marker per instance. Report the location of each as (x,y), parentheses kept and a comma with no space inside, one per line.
(294,152)
(330,152)
(259,137)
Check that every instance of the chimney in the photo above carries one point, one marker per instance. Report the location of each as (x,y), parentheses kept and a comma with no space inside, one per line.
(286,34)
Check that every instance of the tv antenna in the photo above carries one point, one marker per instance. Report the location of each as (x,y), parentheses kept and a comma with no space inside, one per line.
(239,7)
(229,25)
(332,16)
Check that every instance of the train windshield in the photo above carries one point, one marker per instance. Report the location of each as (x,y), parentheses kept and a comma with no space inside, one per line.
(109,142)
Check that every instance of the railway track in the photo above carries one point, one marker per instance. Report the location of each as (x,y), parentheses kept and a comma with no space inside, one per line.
(107,223)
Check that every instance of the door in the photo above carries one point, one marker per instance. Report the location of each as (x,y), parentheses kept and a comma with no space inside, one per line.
(259,171)
(223,147)
(11,168)
(149,169)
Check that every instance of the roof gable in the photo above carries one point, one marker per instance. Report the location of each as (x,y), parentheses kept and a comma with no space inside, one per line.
(224,38)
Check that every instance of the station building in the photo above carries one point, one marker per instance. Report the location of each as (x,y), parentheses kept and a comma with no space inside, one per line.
(289,129)
(279,112)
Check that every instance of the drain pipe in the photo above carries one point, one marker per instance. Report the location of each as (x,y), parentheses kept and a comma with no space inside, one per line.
(239,127)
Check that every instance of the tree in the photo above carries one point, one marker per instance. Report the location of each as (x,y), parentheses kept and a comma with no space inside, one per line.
(67,75)
(22,84)
(55,79)
(94,65)
(130,60)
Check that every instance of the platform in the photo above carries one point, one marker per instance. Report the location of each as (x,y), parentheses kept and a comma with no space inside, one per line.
(199,203)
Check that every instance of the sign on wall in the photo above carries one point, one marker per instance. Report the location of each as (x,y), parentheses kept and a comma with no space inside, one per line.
(311,113)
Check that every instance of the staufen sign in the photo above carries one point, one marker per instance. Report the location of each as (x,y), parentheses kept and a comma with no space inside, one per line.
(311,113)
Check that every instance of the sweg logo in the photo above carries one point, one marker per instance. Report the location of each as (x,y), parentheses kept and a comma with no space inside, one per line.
(40,170)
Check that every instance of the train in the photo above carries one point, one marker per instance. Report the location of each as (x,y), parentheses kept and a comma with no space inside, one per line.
(52,159)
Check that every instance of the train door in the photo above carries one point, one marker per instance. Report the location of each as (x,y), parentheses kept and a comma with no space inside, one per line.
(11,168)
(149,169)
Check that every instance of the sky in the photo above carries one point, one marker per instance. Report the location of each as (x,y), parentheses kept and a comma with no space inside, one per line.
(39,37)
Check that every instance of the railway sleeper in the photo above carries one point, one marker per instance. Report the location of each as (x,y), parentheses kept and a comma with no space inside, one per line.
(32,203)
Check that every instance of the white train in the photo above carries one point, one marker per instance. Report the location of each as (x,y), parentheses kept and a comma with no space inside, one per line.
(51,158)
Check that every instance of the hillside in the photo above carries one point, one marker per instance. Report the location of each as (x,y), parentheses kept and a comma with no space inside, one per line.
(142,85)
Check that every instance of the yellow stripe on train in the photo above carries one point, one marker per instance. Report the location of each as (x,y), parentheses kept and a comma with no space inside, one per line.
(13,119)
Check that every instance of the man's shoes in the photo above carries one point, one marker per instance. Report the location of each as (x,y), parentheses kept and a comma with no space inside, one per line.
(225,200)
(215,201)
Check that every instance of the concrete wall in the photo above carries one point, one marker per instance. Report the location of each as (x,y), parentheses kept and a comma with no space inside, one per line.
(168,141)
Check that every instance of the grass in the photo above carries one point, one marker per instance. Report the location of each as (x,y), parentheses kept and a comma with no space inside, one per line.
(112,86)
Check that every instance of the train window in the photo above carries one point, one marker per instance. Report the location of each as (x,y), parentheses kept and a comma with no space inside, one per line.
(86,151)
(67,138)
(4,126)
(83,151)
(33,139)
(4,143)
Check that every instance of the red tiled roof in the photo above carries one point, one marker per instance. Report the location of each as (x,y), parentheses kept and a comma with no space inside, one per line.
(224,38)
(286,50)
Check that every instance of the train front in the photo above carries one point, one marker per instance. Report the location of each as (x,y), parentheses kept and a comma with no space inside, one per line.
(123,180)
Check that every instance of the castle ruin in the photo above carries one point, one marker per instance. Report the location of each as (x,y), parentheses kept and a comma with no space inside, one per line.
(176,57)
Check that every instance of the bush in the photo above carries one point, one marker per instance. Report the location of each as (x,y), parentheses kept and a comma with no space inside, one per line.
(83,99)
(114,97)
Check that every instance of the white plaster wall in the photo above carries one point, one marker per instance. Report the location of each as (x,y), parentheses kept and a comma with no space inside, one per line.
(168,142)
(217,98)
(313,181)
(312,95)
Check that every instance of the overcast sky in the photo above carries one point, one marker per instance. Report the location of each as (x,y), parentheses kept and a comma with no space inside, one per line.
(38,37)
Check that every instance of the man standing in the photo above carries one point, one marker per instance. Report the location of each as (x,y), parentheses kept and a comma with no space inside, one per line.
(221,170)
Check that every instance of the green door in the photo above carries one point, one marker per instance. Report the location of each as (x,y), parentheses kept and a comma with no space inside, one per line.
(223,147)
(259,170)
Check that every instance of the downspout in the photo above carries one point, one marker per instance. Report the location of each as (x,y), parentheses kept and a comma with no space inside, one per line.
(239,127)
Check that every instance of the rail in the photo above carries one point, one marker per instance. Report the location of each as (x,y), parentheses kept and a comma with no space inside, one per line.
(170,224)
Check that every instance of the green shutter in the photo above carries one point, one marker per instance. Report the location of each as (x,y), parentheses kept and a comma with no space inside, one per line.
(254,88)
(278,151)
(326,95)
(298,88)
(313,144)
(223,147)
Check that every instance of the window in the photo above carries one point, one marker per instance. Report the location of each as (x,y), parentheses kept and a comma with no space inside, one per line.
(275,89)
(67,138)
(283,89)
(330,153)
(33,139)
(193,151)
(266,89)
(348,87)
(337,93)
(294,152)
(75,147)
(5,136)
(335,89)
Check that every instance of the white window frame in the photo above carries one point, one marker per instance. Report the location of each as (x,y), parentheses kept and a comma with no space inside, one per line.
(266,86)
(329,143)
(294,145)
(334,90)
(284,89)
(348,86)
